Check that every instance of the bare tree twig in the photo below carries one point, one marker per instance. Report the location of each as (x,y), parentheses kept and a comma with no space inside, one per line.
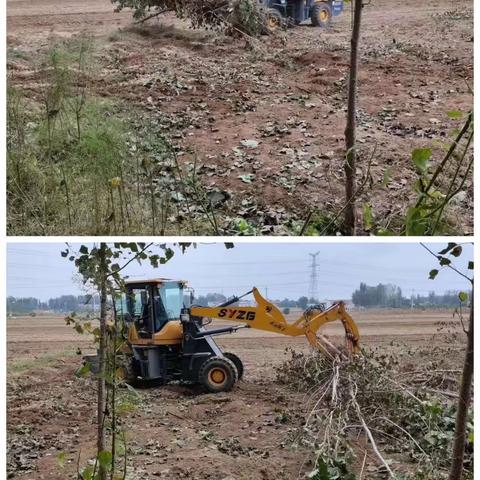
(370,437)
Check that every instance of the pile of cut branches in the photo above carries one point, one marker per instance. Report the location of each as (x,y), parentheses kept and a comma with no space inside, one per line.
(230,16)
(370,414)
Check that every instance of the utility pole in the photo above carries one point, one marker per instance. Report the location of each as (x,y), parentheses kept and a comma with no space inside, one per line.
(313,290)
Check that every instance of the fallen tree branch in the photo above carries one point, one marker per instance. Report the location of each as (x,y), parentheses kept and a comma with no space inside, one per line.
(153,15)
(370,437)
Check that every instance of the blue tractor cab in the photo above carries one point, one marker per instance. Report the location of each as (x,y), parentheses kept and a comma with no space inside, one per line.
(280,13)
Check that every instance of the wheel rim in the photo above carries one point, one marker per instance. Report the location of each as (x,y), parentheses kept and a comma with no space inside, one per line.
(272,22)
(217,376)
(323,15)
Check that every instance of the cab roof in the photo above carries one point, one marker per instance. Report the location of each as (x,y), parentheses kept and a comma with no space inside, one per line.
(156,281)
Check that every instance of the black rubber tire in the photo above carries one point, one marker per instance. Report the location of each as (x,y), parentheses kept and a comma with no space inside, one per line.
(130,370)
(218,364)
(321,15)
(273,20)
(237,362)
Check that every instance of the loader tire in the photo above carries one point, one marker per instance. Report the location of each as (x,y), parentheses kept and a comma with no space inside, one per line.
(128,372)
(273,21)
(321,15)
(218,374)
(237,362)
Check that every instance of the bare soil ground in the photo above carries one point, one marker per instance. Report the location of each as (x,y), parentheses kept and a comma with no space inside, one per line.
(178,431)
(287,93)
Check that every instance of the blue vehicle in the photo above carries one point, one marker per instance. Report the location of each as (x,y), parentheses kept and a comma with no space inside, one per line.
(280,13)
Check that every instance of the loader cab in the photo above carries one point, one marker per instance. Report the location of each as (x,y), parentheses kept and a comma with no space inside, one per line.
(152,309)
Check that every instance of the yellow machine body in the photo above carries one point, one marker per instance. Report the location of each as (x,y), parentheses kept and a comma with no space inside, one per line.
(170,334)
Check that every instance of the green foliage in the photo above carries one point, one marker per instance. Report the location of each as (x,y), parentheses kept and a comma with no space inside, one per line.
(444,258)
(332,469)
(243,228)
(367,216)
(427,215)
(420,158)
(104,458)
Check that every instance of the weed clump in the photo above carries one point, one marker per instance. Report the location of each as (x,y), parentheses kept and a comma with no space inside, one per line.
(77,165)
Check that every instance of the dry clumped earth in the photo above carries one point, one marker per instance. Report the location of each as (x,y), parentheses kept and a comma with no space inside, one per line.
(263,121)
(177,431)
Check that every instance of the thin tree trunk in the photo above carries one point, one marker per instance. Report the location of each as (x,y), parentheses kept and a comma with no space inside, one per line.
(101,393)
(350,139)
(463,404)
(114,390)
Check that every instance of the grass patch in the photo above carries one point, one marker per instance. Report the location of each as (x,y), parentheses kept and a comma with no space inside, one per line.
(84,165)
(20,366)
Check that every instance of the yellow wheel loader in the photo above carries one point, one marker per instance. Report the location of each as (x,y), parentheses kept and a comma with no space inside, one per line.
(168,341)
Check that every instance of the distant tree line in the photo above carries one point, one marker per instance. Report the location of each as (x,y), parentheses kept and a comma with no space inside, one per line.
(211,299)
(381,295)
(63,304)
(391,296)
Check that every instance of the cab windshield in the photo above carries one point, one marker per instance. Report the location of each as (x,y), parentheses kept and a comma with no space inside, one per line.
(150,307)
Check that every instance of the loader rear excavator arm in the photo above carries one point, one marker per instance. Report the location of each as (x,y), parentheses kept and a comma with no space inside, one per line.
(266,316)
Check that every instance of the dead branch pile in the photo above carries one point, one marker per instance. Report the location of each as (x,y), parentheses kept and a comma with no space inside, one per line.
(371,411)
(230,16)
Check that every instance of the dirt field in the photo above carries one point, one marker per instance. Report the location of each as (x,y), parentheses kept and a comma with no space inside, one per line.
(178,431)
(287,93)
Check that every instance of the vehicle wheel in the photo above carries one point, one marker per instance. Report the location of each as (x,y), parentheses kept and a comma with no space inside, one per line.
(273,20)
(218,374)
(127,371)
(237,362)
(321,14)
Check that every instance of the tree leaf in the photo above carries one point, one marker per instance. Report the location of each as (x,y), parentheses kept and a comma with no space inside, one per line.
(83,370)
(61,459)
(420,158)
(470,265)
(454,114)
(83,250)
(415,223)
(433,274)
(87,473)
(367,216)
(104,458)
(463,296)
(445,261)
(457,251)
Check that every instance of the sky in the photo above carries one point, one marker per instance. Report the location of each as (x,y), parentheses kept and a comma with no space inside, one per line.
(279,270)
